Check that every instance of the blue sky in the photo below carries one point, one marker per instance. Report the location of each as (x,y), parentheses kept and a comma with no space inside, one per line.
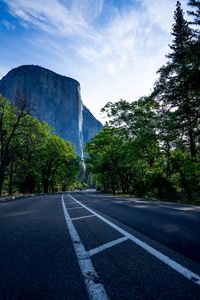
(112,47)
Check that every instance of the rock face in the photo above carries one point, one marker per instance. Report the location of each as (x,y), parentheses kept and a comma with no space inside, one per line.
(56,100)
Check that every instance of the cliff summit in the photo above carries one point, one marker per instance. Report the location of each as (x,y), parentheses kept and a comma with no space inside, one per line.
(56,100)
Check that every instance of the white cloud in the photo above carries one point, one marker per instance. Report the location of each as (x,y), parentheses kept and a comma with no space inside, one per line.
(89,9)
(48,15)
(8,25)
(125,57)
(161,12)
(117,59)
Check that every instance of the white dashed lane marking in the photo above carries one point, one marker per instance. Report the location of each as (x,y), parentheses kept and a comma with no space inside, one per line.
(162,257)
(106,246)
(83,217)
(95,290)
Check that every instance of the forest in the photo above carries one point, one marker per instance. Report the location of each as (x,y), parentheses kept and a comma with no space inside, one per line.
(33,158)
(151,147)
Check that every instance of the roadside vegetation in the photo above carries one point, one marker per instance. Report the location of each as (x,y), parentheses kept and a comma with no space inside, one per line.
(151,147)
(33,158)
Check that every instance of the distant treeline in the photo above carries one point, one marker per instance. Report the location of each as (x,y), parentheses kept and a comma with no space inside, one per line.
(32,157)
(152,146)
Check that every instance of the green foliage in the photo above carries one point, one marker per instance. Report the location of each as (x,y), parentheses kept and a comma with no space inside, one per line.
(152,146)
(177,91)
(59,163)
(123,155)
(33,158)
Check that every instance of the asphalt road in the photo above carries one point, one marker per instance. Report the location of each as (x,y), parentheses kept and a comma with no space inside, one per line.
(88,245)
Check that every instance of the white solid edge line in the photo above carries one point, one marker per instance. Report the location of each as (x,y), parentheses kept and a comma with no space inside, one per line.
(162,257)
(95,290)
(106,246)
(83,217)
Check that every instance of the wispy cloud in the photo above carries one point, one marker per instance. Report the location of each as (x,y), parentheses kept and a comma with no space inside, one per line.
(8,25)
(88,9)
(114,51)
(161,12)
(49,15)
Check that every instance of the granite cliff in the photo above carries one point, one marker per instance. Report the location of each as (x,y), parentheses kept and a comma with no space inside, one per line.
(56,100)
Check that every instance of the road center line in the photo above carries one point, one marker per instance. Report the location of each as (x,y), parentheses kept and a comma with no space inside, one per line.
(95,290)
(162,257)
(83,217)
(106,246)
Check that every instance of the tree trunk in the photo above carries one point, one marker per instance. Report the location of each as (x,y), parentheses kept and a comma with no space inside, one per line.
(113,187)
(2,175)
(10,191)
(193,151)
(45,186)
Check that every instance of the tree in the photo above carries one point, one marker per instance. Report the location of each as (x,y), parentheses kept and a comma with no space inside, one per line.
(11,126)
(176,90)
(56,155)
(101,161)
(195,5)
(124,156)
(28,149)
(32,157)
(178,94)
(152,145)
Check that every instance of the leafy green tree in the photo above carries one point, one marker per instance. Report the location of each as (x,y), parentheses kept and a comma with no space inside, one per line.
(66,178)
(28,148)
(152,145)
(11,126)
(101,160)
(55,155)
(124,155)
(32,157)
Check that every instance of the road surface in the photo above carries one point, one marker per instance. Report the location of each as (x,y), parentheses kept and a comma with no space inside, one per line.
(87,245)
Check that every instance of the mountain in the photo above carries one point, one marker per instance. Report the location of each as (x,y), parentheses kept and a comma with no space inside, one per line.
(56,100)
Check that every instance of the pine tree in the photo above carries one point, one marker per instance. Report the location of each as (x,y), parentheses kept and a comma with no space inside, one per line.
(182,34)
(195,5)
(177,88)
